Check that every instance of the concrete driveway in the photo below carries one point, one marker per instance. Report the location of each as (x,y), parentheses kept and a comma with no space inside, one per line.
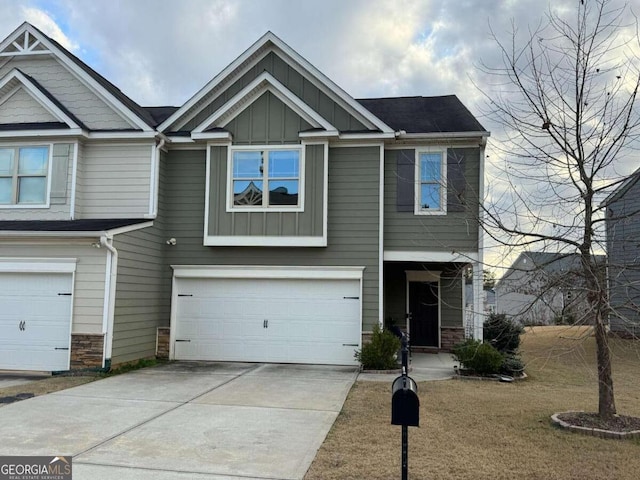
(185,421)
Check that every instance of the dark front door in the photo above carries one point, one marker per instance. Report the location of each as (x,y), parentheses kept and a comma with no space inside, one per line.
(423,308)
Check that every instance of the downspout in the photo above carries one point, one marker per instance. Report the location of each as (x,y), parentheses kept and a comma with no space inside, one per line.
(107,242)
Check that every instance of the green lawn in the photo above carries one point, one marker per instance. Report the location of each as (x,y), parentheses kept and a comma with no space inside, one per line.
(486,430)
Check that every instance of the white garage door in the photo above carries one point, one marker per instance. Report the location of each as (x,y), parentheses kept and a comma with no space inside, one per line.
(35,321)
(268,320)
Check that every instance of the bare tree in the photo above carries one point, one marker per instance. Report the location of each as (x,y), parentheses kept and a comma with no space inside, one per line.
(566,98)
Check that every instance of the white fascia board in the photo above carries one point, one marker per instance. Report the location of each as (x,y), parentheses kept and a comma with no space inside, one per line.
(264,271)
(482,135)
(38,265)
(367,136)
(426,256)
(42,234)
(123,110)
(39,97)
(223,137)
(115,135)
(319,134)
(258,241)
(258,86)
(73,132)
(204,91)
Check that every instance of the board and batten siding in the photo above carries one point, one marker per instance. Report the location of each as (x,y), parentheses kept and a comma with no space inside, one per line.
(264,223)
(22,108)
(115,180)
(353,221)
(290,78)
(88,299)
(61,187)
(68,90)
(457,230)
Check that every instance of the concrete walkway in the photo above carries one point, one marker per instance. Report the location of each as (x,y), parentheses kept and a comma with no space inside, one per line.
(423,367)
(185,421)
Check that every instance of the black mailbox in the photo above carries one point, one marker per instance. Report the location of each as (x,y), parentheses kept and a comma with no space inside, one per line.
(405,405)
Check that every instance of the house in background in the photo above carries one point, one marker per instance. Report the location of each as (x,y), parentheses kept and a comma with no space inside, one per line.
(622,221)
(271,218)
(544,289)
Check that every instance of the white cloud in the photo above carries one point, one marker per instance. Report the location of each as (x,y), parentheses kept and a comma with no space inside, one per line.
(43,20)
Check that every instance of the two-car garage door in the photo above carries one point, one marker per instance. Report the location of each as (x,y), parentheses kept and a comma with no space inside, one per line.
(35,320)
(267,320)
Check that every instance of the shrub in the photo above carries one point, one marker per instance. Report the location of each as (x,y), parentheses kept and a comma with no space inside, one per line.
(480,357)
(380,353)
(502,333)
(512,365)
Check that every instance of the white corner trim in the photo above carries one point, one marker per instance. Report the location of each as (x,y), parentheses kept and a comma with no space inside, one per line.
(430,256)
(153,167)
(74,181)
(262,241)
(207,190)
(39,97)
(261,84)
(267,271)
(325,194)
(381,241)
(38,265)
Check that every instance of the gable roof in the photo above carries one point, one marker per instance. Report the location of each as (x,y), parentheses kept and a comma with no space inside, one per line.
(424,114)
(267,43)
(623,188)
(144,119)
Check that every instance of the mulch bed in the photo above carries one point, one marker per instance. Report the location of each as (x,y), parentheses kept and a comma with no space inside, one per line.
(619,423)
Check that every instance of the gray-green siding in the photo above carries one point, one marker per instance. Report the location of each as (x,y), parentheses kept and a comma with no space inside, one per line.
(306,223)
(143,288)
(454,231)
(295,82)
(353,221)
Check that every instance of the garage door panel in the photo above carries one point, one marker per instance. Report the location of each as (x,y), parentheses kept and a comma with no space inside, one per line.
(308,321)
(35,321)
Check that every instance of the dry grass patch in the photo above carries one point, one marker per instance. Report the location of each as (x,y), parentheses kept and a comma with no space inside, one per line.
(46,385)
(490,430)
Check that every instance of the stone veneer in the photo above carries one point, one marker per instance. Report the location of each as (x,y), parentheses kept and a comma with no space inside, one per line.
(162,342)
(86,350)
(450,336)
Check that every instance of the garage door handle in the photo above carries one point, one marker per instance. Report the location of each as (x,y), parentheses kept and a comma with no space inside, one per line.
(61,348)
(178,340)
(349,344)
(351,298)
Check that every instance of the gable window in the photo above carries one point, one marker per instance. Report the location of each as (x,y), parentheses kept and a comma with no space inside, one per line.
(431,181)
(265,178)
(23,175)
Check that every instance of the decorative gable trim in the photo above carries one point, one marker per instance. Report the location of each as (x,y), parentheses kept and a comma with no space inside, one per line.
(264,82)
(28,40)
(15,80)
(265,45)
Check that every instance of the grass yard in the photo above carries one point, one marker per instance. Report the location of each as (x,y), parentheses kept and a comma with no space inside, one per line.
(487,430)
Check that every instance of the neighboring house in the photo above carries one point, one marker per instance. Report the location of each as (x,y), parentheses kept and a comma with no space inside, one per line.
(271,218)
(544,289)
(623,249)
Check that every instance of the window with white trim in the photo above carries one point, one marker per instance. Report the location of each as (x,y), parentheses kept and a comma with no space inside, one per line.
(265,178)
(23,175)
(431,182)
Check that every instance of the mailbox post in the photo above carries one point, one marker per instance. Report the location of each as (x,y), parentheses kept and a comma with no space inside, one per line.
(405,405)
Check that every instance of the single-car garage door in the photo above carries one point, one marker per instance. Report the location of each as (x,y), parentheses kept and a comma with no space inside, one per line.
(267,320)
(35,321)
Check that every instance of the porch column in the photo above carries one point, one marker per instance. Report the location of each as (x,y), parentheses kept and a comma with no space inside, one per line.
(478,304)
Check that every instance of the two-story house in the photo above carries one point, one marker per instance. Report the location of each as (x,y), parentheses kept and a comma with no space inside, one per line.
(622,220)
(271,218)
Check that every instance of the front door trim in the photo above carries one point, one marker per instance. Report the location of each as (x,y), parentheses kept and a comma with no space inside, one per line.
(424,276)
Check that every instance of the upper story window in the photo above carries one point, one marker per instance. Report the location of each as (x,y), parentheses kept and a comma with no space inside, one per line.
(23,175)
(265,178)
(431,183)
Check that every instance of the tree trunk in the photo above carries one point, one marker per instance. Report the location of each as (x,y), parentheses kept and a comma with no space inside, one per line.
(606,402)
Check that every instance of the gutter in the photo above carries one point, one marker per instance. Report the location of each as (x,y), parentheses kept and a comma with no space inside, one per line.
(108,315)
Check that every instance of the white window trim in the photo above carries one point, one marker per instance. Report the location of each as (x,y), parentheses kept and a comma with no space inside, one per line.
(443,187)
(276,208)
(47,193)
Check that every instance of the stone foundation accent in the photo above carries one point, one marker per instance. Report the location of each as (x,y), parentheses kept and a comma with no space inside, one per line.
(162,342)
(366,337)
(86,350)
(450,336)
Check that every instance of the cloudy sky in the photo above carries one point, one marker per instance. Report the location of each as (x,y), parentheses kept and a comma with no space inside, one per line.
(160,52)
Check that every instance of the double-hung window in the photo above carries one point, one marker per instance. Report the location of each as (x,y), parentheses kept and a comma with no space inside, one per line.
(23,175)
(265,178)
(431,181)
